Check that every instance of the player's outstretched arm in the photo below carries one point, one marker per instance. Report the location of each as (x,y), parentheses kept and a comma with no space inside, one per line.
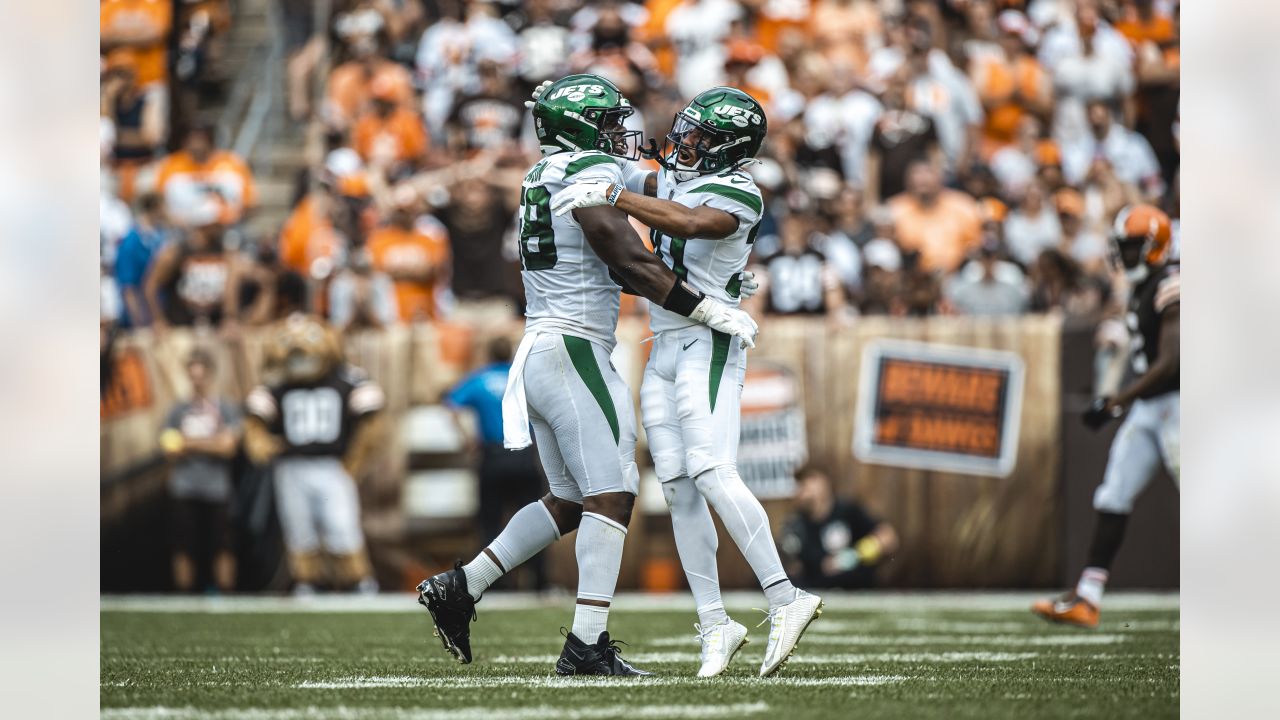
(666,216)
(617,244)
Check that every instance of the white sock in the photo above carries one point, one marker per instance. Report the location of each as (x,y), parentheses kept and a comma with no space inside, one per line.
(530,530)
(696,543)
(1092,582)
(599,551)
(744,517)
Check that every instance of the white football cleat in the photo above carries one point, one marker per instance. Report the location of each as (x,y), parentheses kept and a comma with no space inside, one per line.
(786,624)
(719,644)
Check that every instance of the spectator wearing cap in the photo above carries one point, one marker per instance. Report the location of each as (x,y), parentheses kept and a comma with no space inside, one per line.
(414,252)
(148,235)
(350,87)
(881,278)
(200,173)
(1032,226)
(1085,246)
(1128,153)
(199,439)
(388,133)
(1088,60)
(943,225)
(988,286)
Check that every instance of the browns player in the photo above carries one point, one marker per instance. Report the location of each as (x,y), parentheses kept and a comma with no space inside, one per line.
(1149,434)
(318,419)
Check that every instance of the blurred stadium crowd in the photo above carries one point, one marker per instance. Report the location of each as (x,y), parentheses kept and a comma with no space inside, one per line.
(924,156)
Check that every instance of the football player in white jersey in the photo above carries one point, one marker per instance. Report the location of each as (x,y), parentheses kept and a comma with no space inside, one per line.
(561,379)
(704,211)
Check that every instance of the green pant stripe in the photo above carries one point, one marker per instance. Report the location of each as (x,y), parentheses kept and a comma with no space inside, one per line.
(719,355)
(584,361)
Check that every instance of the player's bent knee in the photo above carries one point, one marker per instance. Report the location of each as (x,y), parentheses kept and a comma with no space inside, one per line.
(717,478)
(566,513)
(616,506)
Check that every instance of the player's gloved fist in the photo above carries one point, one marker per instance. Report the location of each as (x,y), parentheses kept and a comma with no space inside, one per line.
(749,285)
(537,93)
(581,195)
(730,321)
(1100,412)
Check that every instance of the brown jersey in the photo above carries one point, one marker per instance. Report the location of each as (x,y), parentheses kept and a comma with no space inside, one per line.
(317,419)
(1147,305)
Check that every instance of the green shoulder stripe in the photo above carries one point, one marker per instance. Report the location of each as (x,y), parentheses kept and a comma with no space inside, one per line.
(739,196)
(585,162)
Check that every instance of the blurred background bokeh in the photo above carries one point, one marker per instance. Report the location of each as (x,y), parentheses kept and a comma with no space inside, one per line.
(942,171)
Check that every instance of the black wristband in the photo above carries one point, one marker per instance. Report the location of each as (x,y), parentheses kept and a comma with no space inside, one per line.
(682,299)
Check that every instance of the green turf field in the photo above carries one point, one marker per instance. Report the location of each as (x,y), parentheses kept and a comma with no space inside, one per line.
(905,656)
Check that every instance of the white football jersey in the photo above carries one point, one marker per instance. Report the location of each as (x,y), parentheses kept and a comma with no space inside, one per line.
(567,286)
(711,266)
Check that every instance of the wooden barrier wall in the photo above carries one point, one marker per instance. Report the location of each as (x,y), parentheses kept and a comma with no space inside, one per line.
(955,530)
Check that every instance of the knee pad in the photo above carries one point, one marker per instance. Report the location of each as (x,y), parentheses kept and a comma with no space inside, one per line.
(718,479)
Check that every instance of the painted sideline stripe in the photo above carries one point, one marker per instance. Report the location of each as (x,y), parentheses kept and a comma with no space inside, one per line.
(896,602)
(831,659)
(908,640)
(539,712)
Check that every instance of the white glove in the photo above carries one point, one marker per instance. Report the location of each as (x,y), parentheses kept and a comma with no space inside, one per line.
(537,93)
(749,286)
(584,194)
(725,319)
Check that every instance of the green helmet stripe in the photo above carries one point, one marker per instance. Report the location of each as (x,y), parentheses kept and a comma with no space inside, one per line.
(585,162)
(739,196)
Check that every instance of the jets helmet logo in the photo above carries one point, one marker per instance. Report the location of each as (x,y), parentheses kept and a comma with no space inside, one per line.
(576,93)
(738,116)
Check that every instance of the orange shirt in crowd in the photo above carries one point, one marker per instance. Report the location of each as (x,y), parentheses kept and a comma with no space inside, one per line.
(403,254)
(779,17)
(1158,29)
(997,80)
(124,19)
(943,232)
(401,136)
(654,31)
(223,170)
(308,236)
(351,87)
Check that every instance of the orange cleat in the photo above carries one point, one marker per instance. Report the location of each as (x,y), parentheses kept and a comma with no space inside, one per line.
(1070,609)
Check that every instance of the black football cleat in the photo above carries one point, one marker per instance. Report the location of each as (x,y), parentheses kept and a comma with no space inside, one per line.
(445,596)
(602,658)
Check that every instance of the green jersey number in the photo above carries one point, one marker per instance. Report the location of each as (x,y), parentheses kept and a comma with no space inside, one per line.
(537,239)
(675,250)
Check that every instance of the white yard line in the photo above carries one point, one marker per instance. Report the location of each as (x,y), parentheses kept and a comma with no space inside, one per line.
(554,682)
(910,640)
(539,712)
(898,602)
(801,657)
